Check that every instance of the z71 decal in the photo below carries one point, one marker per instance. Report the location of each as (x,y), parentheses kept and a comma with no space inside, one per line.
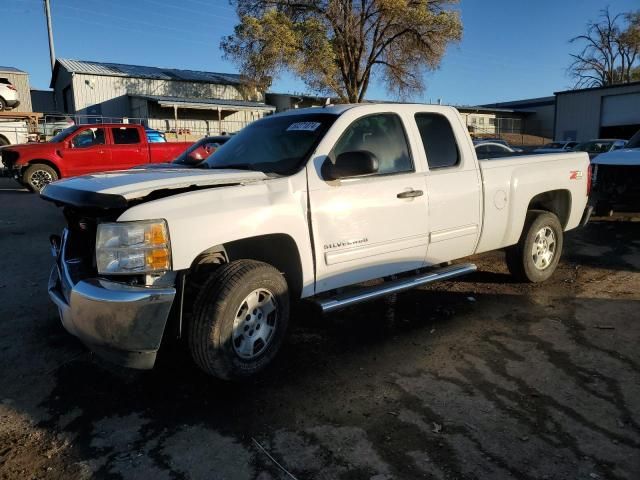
(575,175)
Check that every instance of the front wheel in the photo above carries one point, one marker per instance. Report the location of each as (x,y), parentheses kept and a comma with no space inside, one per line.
(38,175)
(536,255)
(239,320)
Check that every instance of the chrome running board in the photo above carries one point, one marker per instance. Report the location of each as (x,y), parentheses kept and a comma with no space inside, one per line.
(364,294)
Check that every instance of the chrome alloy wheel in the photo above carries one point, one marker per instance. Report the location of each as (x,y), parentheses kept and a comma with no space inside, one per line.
(544,248)
(39,179)
(255,324)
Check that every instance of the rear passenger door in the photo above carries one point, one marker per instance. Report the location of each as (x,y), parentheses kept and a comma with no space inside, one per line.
(453,186)
(128,149)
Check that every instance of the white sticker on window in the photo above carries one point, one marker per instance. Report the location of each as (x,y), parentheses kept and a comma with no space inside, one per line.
(304,126)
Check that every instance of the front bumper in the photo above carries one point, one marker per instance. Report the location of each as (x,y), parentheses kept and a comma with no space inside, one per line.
(119,322)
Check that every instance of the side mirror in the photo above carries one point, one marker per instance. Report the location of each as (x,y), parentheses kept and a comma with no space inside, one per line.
(350,164)
(67,144)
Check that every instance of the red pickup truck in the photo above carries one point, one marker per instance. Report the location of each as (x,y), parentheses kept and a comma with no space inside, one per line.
(83,149)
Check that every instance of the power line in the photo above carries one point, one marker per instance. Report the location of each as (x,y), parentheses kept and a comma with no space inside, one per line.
(129,30)
(137,22)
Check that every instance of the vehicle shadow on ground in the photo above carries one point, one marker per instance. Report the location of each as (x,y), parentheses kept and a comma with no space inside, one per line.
(609,245)
(351,355)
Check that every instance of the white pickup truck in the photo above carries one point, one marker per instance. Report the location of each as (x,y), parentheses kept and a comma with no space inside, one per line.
(305,204)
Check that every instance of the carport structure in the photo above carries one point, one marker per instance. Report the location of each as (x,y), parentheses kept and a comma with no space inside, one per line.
(210,114)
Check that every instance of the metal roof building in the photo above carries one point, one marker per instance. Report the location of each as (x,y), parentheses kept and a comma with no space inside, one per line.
(164,98)
(601,112)
(20,80)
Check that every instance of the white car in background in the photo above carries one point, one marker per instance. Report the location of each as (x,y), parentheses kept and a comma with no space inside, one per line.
(557,147)
(494,149)
(8,95)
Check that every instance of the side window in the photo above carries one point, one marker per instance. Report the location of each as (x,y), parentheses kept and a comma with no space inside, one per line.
(381,134)
(88,138)
(125,135)
(438,140)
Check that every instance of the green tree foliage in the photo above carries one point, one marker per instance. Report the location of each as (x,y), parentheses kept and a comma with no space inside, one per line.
(610,52)
(337,46)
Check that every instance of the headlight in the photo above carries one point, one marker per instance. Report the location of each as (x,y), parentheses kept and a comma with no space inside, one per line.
(133,247)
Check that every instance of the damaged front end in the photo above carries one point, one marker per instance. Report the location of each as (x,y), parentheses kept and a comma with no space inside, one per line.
(122,319)
(616,186)
(113,281)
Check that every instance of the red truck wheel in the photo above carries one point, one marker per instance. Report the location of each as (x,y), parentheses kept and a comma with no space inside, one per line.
(38,175)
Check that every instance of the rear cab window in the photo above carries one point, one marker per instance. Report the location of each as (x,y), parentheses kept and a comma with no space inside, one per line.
(438,140)
(125,135)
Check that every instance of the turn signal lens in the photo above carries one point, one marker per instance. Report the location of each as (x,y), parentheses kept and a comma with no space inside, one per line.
(158,259)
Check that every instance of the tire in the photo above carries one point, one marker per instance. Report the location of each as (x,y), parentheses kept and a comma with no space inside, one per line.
(38,175)
(540,230)
(228,338)
(3,105)
(4,142)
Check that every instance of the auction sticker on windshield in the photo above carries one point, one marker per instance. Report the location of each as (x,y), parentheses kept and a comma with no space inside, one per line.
(304,126)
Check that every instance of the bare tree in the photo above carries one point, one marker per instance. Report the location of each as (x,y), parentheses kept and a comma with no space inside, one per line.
(610,50)
(337,46)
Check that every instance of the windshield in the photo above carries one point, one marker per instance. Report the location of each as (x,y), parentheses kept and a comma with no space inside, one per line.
(60,137)
(278,144)
(593,147)
(634,142)
(554,145)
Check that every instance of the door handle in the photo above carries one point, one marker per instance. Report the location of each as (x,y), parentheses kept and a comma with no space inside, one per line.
(410,194)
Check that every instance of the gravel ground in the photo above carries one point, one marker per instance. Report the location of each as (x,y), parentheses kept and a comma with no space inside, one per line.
(479,378)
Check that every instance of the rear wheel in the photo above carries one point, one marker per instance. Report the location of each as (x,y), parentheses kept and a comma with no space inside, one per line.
(239,320)
(535,257)
(4,141)
(3,105)
(38,175)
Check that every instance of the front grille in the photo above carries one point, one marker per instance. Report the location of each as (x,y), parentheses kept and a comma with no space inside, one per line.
(80,245)
(618,180)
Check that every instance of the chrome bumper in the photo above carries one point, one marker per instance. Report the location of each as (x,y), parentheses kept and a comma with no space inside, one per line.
(121,323)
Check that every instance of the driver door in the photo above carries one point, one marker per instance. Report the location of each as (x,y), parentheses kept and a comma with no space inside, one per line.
(370,226)
(85,152)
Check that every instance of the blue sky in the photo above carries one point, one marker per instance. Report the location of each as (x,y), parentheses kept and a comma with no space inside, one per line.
(511,49)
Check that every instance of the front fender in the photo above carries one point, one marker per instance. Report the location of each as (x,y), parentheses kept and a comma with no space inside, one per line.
(202,219)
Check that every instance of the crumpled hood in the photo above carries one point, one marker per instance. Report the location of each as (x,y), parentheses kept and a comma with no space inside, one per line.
(112,189)
(625,156)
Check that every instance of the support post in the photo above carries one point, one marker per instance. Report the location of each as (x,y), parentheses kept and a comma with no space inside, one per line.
(52,52)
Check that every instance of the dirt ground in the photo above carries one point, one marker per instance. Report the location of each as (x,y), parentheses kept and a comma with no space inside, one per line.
(479,378)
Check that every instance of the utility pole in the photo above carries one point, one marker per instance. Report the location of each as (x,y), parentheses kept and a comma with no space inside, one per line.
(52,52)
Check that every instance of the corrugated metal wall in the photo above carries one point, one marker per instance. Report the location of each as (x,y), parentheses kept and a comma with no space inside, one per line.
(111,92)
(578,113)
(21,82)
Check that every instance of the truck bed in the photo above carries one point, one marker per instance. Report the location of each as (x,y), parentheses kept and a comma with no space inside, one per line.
(509,182)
